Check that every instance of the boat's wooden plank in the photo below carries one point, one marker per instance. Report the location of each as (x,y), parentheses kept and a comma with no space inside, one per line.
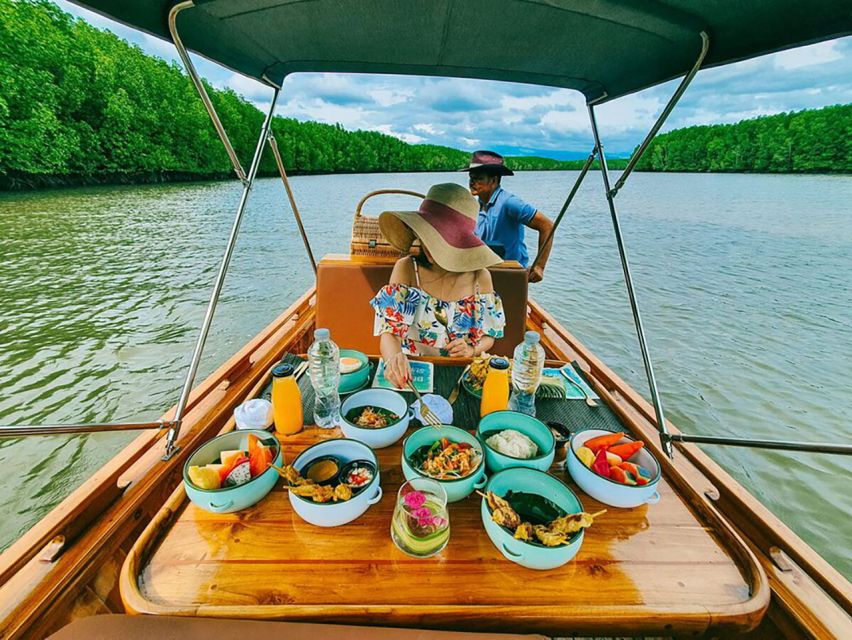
(247,540)
(37,597)
(440,583)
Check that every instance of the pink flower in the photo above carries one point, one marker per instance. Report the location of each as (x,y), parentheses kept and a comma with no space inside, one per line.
(414,499)
(422,513)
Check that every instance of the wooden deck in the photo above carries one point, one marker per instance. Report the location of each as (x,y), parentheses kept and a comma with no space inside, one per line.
(651,570)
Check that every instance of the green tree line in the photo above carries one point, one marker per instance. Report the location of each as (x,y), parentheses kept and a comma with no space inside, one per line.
(79,105)
(811,141)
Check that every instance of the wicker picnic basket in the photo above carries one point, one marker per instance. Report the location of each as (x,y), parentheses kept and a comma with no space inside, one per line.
(367,238)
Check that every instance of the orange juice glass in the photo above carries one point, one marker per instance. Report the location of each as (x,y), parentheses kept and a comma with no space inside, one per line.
(495,391)
(286,401)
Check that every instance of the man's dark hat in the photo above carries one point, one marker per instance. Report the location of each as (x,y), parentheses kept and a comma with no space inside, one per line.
(489,161)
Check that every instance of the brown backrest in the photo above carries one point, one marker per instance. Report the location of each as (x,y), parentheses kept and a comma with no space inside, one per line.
(345,285)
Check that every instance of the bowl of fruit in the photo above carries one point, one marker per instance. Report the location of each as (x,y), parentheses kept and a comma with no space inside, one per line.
(232,471)
(613,468)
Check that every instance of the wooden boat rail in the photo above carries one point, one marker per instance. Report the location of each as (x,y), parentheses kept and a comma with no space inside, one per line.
(807,592)
(57,559)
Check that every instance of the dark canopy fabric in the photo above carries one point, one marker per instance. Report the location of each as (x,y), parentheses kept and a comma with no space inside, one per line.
(603,48)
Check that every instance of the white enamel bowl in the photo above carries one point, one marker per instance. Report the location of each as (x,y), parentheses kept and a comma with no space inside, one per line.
(334,514)
(609,491)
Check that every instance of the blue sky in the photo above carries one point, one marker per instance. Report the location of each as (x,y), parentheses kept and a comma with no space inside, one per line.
(527,119)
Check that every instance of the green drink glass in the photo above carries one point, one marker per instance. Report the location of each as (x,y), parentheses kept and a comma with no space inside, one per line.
(421,523)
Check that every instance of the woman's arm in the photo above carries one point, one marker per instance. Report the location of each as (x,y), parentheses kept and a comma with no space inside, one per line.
(397,368)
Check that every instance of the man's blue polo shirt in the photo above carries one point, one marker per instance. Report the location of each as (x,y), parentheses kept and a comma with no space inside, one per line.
(501,224)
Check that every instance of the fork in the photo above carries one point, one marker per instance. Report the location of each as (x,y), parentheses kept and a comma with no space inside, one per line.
(589,400)
(425,412)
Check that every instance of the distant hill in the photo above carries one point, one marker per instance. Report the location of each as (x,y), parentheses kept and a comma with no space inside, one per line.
(811,141)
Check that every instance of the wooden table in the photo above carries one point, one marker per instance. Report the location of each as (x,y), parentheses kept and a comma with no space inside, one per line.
(650,570)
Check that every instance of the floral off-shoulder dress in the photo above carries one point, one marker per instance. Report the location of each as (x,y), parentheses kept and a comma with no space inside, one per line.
(426,324)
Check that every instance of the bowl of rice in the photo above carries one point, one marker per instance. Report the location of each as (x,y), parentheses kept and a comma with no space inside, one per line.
(511,439)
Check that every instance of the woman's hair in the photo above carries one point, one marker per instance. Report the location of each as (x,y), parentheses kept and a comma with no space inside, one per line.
(420,257)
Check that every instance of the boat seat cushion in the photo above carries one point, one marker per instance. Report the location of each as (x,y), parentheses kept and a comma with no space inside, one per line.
(345,285)
(112,626)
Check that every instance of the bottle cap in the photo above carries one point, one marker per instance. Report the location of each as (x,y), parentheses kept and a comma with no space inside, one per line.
(283,370)
(531,337)
(499,363)
(322,334)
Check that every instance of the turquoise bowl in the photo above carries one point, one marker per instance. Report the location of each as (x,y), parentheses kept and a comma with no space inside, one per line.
(353,381)
(230,499)
(456,489)
(534,429)
(526,554)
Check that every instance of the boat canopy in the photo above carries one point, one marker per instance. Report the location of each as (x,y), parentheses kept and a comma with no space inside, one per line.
(602,48)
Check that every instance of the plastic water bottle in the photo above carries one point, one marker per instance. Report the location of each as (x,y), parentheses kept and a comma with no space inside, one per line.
(324,366)
(527,366)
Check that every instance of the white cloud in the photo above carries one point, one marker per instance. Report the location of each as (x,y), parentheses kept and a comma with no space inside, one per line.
(808,56)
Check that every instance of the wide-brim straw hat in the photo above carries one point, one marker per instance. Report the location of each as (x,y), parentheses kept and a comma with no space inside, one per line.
(489,161)
(445,224)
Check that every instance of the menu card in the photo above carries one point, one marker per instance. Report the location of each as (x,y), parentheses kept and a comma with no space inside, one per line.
(422,373)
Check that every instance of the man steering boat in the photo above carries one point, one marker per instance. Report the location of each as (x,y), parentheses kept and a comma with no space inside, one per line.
(503,215)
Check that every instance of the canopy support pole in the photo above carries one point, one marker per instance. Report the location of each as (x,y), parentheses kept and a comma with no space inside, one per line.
(628,281)
(778,445)
(687,79)
(174,431)
(274,146)
(17,431)
(565,206)
(199,87)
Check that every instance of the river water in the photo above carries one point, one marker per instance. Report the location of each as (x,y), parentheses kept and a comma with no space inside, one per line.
(743,281)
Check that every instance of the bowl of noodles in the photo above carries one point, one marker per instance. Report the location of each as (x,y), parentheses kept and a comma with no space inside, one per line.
(449,455)
(376,417)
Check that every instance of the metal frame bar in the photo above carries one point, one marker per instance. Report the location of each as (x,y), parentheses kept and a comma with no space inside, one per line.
(782,445)
(687,79)
(274,146)
(631,293)
(565,206)
(248,181)
(91,427)
(665,437)
(199,86)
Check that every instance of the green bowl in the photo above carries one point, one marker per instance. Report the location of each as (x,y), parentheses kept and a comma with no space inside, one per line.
(469,389)
(456,489)
(230,499)
(350,382)
(534,429)
(526,554)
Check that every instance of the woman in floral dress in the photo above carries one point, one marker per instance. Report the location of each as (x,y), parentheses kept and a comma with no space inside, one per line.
(441,302)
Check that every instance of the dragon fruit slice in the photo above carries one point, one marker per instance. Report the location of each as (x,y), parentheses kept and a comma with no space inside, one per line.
(239,474)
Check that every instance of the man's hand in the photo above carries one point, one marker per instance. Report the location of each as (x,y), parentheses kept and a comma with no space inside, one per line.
(458,348)
(536,273)
(398,370)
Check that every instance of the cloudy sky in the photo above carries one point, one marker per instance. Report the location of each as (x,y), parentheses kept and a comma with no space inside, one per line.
(527,119)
